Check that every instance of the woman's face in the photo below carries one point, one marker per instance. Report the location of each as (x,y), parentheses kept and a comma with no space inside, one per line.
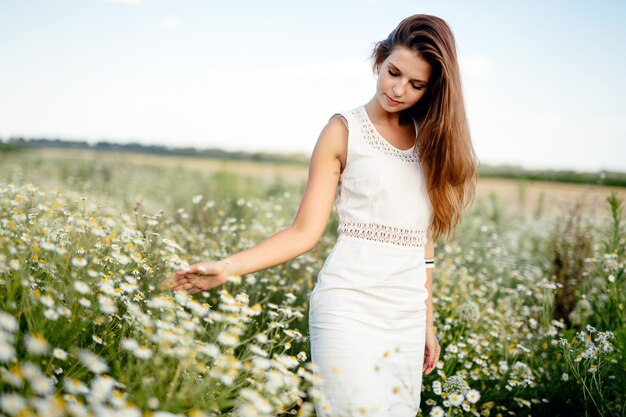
(402,79)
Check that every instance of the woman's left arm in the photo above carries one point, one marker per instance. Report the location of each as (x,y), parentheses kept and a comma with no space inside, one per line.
(431,349)
(429,253)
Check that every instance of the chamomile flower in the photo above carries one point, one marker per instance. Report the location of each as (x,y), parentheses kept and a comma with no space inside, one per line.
(81,287)
(59,354)
(92,362)
(7,352)
(437,411)
(12,404)
(36,344)
(107,305)
(472,396)
(79,261)
(456,399)
(7,322)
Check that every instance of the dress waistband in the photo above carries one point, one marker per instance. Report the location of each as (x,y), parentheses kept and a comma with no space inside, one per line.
(383,233)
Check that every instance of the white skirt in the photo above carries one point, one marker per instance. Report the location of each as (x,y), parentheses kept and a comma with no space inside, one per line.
(367,325)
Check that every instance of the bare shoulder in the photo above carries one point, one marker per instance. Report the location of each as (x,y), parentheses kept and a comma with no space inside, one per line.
(334,138)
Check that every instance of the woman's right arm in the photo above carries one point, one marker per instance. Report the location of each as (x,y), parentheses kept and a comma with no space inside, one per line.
(304,233)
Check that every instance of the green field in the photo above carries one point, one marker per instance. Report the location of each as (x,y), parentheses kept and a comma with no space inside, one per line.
(529,294)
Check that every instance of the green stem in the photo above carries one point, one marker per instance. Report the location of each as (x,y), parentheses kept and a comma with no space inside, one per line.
(174,382)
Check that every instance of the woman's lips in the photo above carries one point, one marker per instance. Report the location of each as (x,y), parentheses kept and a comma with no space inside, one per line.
(392,101)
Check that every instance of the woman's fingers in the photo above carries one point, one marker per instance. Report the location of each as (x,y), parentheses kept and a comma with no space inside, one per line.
(169,283)
(426,364)
(179,282)
(193,279)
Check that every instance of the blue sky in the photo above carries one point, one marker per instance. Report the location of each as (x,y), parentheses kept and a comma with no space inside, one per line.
(544,81)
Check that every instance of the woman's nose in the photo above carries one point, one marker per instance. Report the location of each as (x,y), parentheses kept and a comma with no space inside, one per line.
(398,89)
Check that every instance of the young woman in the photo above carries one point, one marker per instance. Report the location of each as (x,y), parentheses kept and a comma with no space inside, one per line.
(404,169)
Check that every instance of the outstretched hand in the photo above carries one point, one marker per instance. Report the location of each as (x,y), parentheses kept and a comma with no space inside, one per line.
(201,276)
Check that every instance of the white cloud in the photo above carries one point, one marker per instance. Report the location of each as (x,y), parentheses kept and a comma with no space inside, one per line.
(171,22)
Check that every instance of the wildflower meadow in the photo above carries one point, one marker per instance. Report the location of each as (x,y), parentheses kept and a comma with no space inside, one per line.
(529,305)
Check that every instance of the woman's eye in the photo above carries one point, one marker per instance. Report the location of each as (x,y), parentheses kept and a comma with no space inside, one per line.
(393,74)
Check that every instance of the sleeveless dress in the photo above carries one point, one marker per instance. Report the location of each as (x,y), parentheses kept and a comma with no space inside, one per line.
(367,314)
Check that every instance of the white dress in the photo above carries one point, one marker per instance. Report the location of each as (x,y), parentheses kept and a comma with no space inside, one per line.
(367,315)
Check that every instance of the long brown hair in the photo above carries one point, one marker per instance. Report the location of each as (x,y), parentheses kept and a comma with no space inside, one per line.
(446,153)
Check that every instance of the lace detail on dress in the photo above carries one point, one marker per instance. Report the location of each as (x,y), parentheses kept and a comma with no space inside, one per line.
(373,138)
(383,233)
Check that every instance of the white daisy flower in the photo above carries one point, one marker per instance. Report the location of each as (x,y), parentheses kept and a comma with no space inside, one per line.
(12,404)
(261,363)
(84,302)
(108,288)
(258,351)
(47,245)
(81,287)
(455,399)
(50,314)
(92,362)
(36,344)
(122,259)
(473,396)
(79,261)
(287,361)
(31,371)
(77,409)
(64,311)
(42,385)
(437,412)
(8,322)
(75,386)
(13,378)
(49,406)
(7,352)
(260,404)
(107,305)
(101,389)
(59,354)
(210,349)
(153,403)
(130,344)
(228,339)
(142,352)
(14,264)
(47,300)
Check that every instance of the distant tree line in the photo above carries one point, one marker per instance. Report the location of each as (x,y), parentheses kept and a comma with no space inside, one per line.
(603,177)
(14,144)
(610,178)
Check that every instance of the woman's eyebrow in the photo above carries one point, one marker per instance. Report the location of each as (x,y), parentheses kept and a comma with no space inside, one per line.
(396,68)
